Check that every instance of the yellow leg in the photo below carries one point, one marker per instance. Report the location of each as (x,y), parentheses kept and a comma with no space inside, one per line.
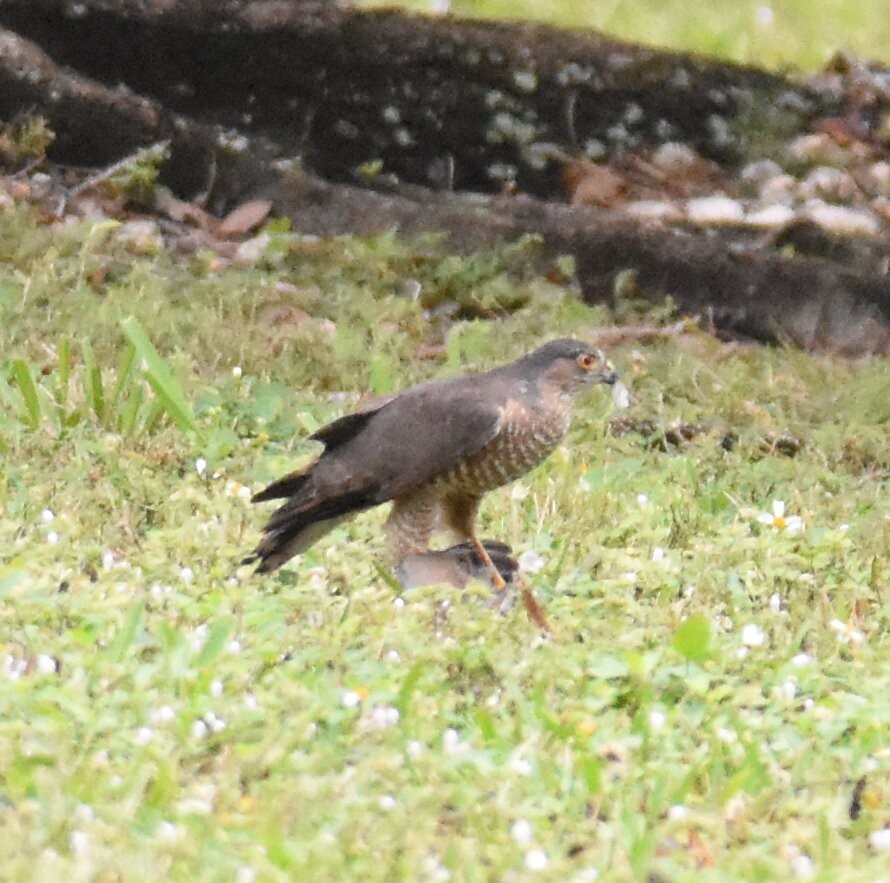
(532,608)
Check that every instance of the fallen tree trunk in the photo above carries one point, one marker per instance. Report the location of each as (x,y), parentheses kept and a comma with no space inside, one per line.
(243,91)
(436,100)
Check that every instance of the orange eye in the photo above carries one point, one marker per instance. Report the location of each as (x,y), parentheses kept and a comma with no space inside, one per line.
(586,361)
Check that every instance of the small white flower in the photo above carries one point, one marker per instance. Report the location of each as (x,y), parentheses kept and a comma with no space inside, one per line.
(52,538)
(630,576)
(236,372)
(250,702)
(393,656)
(536,859)
(350,699)
(245,874)
(414,749)
(658,554)
(47,516)
(518,492)
(398,603)
(787,689)
(741,653)
(727,737)
(317,581)
(657,720)
(846,633)
(186,574)
(382,717)
(200,466)
(13,666)
(642,501)
(107,560)
(163,715)
(158,591)
(216,724)
(199,730)
(775,602)
(522,832)
(216,687)
(46,665)
(144,735)
(880,840)
(387,802)
(689,591)
(197,636)
(234,646)
(166,832)
(79,841)
(843,528)
(531,562)
(521,766)
(590,873)
(780,521)
(201,804)
(451,741)
(753,635)
(84,814)
(765,16)
(801,660)
(678,813)
(802,867)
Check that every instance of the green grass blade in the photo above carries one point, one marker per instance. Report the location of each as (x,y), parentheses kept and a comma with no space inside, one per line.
(126,634)
(213,646)
(160,377)
(148,419)
(93,388)
(63,377)
(9,400)
(23,377)
(125,378)
(129,410)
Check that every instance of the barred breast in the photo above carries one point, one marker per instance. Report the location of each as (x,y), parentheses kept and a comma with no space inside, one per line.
(527,437)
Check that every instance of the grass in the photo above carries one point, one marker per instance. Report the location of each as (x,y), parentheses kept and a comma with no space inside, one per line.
(717,691)
(781,34)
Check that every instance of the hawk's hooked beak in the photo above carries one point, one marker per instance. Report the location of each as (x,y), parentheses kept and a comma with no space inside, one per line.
(608,374)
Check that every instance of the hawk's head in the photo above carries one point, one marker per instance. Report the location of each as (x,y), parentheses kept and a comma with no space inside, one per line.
(569,364)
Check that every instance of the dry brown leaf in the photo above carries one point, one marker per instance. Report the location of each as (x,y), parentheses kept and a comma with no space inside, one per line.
(244,218)
(590,184)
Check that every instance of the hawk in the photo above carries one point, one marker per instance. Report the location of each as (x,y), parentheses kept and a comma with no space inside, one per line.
(434,451)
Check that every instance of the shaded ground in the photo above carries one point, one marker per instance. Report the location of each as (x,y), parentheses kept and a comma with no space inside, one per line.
(758,204)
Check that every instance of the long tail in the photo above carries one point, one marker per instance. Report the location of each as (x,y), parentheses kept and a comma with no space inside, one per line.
(301,521)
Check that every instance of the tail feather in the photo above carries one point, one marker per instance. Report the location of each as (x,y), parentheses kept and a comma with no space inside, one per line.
(298,524)
(288,486)
(275,550)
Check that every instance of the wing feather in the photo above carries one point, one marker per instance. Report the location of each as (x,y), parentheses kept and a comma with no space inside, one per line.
(349,425)
(414,438)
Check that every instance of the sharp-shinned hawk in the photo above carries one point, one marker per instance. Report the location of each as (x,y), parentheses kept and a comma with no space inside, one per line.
(434,451)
